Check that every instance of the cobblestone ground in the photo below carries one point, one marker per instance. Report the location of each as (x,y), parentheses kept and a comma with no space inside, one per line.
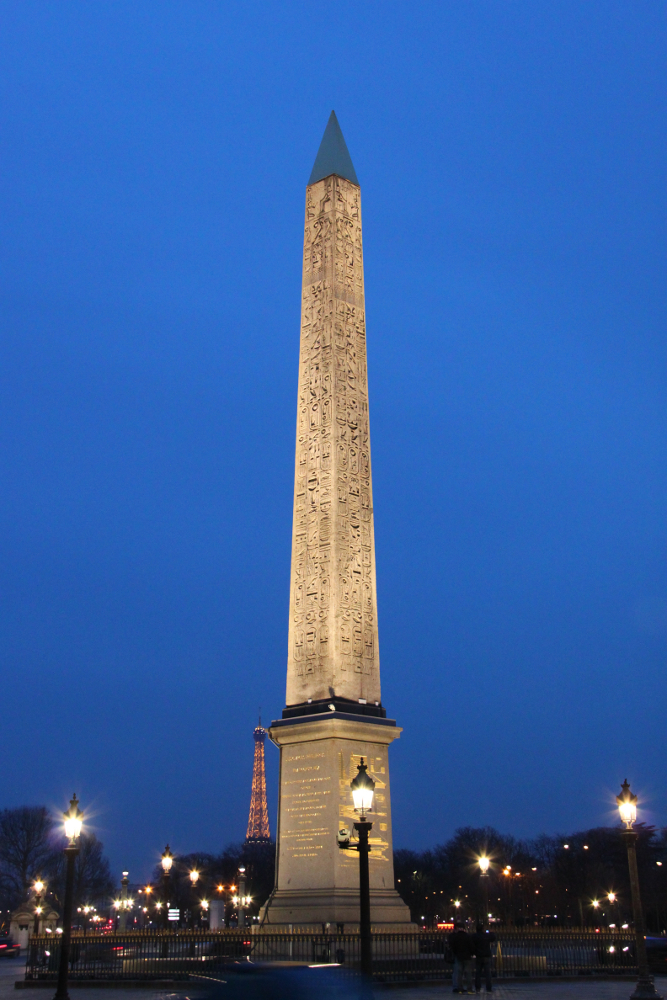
(12,969)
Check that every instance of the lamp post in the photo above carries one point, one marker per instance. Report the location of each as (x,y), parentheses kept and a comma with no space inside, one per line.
(147,918)
(122,912)
(38,889)
(363,788)
(85,910)
(73,822)
(194,878)
(595,903)
(627,807)
(166,862)
(242,897)
(483,863)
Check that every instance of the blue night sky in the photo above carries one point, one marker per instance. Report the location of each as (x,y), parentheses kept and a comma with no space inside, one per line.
(511,157)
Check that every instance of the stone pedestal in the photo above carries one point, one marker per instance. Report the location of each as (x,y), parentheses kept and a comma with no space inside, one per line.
(316,882)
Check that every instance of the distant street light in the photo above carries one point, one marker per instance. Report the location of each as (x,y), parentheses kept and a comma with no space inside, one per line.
(483,863)
(194,878)
(627,807)
(38,889)
(241,897)
(122,911)
(167,861)
(73,823)
(363,788)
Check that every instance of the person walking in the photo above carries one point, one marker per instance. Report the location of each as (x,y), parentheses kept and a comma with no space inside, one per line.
(462,948)
(481,942)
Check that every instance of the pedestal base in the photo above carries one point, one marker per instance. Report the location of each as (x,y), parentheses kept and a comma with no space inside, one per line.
(645,990)
(317,883)
(314,911)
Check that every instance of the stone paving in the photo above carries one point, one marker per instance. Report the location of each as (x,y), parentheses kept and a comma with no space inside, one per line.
(12,969)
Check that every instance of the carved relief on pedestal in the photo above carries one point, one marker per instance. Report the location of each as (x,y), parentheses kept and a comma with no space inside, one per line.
(333,619)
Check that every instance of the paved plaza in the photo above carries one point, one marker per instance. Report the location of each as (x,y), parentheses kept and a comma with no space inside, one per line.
(12,969)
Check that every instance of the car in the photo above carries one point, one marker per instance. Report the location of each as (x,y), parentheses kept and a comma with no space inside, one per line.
(7,949)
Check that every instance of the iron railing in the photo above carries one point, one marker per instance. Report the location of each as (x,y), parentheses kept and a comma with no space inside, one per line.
(420,955)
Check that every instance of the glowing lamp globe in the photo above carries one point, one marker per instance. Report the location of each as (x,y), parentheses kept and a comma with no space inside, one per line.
(194,877)
(484,865)
(627,805)
(167,860)
(363,788)
(73,819)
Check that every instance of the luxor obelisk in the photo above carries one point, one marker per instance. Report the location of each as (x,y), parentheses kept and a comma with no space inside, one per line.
(334,714)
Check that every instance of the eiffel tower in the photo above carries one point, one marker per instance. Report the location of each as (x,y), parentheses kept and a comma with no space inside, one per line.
(258,818)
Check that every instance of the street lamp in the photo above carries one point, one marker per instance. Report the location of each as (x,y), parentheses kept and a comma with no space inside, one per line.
(194,878)
(627,807)
(167,861)
(38,889)
(241,897)
(484,863)
(122,915)
(73,821)
(363,788)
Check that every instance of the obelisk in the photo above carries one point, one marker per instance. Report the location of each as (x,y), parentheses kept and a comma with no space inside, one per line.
(334,714)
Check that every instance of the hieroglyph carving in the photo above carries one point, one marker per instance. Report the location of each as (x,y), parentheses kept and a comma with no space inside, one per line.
(333,634)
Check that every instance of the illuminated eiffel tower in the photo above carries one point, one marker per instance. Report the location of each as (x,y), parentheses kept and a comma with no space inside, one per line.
(258,818)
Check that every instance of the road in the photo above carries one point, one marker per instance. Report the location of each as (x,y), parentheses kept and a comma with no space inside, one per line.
(12,969)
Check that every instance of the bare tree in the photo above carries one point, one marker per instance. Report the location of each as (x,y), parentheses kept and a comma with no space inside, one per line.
(92,875)
(26,850)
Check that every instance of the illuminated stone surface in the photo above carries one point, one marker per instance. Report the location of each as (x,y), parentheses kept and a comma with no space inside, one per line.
(334,714)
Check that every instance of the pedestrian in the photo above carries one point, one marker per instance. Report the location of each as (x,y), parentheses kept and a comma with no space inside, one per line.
(462,948)
(482,941)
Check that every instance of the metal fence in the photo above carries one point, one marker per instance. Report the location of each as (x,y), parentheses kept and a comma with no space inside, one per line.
(421,955)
